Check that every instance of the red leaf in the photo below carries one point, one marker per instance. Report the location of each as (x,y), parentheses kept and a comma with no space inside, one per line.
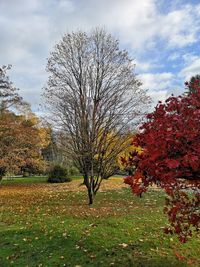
(172,163)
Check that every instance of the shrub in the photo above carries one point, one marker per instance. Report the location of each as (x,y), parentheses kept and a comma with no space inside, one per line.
(26,174)
(2,172)
(58,174)
(73,171)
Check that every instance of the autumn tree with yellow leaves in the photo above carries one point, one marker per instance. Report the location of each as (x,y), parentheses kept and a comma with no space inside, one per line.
(22,137)
(21,141)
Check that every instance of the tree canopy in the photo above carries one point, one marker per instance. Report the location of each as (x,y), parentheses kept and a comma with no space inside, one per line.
(21,141)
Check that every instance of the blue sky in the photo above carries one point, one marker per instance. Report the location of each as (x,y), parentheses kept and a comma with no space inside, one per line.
(162,36)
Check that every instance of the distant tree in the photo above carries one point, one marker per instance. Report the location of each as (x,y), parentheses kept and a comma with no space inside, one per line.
(56,153)
(193,84)
(170,158)
(21,141)
(50,152)
(126,156)
(9,96)
(92,92)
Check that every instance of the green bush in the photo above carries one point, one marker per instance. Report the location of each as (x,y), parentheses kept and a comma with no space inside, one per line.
(58,174)
(26,174)
(2,172)
(73,171)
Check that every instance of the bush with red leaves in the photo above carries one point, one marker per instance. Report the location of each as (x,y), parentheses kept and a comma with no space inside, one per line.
(170,139)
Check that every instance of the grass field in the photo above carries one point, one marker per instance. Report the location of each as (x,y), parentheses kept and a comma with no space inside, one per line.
(51,225)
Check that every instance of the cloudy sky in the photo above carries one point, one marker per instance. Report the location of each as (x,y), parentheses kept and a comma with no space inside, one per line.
(162,36)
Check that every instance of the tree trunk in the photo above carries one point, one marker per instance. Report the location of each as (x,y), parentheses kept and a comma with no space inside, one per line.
(90,188)
(90,195)
(85,181)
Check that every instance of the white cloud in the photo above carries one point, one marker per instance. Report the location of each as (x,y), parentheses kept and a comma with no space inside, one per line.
(143,66)
(157,85)
(161,85)
(189,57)
(192,68)
(158,96)
(142,25)
(19,6)
(30,28)
(180,27)
(157,81)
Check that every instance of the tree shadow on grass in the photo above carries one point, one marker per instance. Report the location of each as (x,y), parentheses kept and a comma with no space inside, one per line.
(33,248)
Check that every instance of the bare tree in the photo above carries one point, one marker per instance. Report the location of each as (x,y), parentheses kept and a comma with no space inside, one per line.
(95,98)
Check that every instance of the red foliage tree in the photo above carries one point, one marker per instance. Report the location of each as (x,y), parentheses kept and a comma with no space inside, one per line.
(170,139)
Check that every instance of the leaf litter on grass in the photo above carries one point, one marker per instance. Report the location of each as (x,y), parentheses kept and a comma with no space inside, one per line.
(58,212)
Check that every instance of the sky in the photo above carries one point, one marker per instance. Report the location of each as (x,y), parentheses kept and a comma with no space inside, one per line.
(161,36)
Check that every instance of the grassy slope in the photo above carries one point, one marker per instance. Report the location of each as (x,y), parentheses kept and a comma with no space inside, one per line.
(52,225)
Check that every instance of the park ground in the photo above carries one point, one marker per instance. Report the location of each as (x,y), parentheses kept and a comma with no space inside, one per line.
(51,225)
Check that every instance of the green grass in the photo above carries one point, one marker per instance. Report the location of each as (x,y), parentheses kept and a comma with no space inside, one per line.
(24,180)
(36,179)
(49,226)
(31,180)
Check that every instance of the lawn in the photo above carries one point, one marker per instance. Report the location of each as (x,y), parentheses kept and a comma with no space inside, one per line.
(51,225)
(24,180)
